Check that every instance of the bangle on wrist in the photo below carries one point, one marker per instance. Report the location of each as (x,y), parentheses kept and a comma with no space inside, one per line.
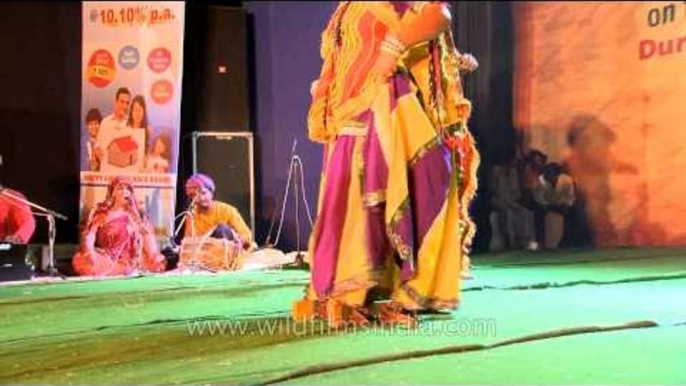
(395,43)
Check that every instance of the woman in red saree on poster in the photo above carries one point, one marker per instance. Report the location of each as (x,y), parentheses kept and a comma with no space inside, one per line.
(118,239)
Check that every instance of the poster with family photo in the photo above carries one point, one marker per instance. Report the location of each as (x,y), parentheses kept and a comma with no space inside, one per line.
(131,100)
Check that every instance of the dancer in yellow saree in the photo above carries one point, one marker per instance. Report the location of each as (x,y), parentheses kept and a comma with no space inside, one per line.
(400,165)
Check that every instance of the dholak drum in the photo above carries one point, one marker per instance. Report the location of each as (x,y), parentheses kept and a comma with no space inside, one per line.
(209,254)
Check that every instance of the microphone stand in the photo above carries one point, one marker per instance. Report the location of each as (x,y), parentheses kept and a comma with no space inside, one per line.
(185,214)
(143,230)
(51,270)
(295,173)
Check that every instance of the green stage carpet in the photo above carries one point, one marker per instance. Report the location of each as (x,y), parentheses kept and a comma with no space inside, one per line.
(568,317)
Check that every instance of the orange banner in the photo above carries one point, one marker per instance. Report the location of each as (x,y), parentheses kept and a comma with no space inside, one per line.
(600,86)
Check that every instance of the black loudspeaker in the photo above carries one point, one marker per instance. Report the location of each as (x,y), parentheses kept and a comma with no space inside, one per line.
(228,157)
(14,264)
(220,68)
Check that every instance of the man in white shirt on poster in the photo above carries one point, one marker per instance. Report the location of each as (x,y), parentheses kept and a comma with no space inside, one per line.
(113,129)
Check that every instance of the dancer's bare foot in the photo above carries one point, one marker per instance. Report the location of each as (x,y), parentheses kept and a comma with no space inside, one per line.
(393,314)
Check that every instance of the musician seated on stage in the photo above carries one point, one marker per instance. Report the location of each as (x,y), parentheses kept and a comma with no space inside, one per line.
(118,239)
(213,217)
(17,223)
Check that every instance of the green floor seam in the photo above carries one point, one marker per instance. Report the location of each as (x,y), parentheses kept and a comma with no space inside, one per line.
(537,286)
(319,369)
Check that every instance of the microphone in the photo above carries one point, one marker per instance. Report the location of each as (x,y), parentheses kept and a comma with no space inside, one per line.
(295,143)
(191,206)
(185,217)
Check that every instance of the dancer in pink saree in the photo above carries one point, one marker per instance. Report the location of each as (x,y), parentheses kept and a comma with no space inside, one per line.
(118,239)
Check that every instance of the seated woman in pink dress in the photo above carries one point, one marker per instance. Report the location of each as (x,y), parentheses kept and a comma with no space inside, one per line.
(117,239)
(16,220)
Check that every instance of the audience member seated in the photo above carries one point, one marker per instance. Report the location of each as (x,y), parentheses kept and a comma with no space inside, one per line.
(511,222)
(555,194)
(117,238)
(530,169)
(17,223)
